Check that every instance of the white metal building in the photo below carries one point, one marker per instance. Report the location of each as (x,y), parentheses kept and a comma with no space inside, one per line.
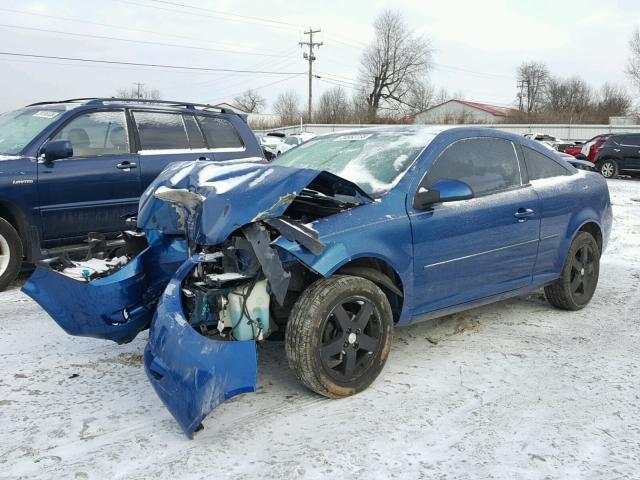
(462,111)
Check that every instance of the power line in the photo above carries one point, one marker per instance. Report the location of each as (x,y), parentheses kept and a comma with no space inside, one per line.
(220,12)
(147,42)
(200,15)
(258,88)
(114,62)
(130,29)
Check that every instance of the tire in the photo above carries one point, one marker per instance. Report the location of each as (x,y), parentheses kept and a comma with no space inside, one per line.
(577,284)
(332,350)
(10,254)
(608,168)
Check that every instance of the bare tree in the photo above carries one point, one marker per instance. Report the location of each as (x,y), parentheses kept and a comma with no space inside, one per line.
(250,101)
(633,61)
(333,106)
(148,93)
(613,101)
(568,97)
(396,58)
(420,96)
(532,80)
(287,105)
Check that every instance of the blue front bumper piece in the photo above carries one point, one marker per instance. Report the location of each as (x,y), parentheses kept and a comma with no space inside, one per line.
(115,307)
(193,374)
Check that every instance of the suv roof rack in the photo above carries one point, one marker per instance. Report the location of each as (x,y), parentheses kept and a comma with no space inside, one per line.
(103,100)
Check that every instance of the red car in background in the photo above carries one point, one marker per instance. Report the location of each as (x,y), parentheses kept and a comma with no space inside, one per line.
(589,149)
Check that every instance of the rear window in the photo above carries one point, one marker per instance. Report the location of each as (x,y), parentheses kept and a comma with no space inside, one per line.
(161,131)
(633,140)
(540,166)
(220,133)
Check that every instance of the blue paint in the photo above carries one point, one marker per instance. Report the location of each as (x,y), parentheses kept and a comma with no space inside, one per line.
(190,373)
(95,309)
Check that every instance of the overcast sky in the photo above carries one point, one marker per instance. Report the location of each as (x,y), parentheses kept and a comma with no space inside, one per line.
(477,44)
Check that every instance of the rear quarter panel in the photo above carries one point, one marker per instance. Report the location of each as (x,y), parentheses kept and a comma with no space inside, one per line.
(568,203)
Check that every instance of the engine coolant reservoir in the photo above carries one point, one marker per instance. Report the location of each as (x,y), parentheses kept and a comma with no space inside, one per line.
(256,326)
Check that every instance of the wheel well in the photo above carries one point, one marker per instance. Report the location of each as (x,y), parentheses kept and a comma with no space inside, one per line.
(383,275)
(11,216)
(594,230)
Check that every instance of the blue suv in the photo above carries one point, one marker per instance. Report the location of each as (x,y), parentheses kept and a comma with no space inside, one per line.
(76,166)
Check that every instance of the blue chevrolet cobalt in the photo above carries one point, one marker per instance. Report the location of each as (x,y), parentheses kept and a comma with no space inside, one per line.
(331,246)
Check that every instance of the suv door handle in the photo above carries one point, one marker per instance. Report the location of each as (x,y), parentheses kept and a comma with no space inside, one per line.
(523,213)
(204,158)
(126,165)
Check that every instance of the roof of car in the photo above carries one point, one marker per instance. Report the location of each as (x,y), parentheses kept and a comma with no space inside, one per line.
(135,101)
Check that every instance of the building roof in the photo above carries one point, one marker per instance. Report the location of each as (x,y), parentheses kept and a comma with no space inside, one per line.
(492,109)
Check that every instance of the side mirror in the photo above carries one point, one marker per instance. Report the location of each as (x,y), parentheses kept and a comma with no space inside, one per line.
(444,190)
(55,150)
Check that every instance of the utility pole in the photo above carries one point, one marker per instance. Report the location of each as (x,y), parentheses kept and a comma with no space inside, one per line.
(310,57)
(138,85)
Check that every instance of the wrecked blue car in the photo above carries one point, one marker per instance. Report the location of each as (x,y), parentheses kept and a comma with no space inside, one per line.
(332,245)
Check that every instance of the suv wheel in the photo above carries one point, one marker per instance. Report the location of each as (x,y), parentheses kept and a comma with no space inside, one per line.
(608,168)
(10,254)
(339,335)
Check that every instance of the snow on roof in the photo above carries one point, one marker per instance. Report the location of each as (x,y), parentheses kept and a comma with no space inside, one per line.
(492,109)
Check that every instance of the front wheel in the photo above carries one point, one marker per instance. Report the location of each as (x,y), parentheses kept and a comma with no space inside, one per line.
(577,284)
(608,168)
(10,254)
(339,335)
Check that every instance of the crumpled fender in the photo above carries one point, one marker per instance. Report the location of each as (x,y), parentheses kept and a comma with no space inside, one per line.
(193,374)
(96,308)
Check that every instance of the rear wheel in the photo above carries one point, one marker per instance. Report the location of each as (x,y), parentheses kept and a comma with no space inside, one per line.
(339,335)
(608,168)
(10,254)
(574,289)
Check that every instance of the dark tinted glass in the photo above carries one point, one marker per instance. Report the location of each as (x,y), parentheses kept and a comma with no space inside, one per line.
(196,140)
(632,140)
(487,165)
(220,133)
(161,131)
(541,166)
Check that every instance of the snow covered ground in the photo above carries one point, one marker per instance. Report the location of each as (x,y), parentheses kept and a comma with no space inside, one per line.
(513,390)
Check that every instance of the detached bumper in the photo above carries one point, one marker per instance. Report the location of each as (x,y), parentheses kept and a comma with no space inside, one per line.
(115,307)
(193,374)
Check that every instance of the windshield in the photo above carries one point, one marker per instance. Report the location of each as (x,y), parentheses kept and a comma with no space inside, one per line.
(372,160)
(19,127)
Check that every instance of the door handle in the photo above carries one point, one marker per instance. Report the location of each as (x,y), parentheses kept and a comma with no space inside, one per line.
(204,158)
(126,165)
(523,213)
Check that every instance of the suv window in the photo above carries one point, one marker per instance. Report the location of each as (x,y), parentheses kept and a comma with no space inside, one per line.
(196,140)
(632,140)
(220,133)
(96,134)
(291,141)
(487,165)
(541,166)
(161,131)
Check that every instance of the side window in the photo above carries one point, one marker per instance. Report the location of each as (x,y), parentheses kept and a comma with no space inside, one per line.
(487,165)
(541,166)
(96,134)
(220,133)
(291,141)
(196,140)
(632,140)
(161,131)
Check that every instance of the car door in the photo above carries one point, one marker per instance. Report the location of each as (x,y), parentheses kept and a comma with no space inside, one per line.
(222,138)
(558,203)
(96,188)
(630,145)
(164,137)
(471,249)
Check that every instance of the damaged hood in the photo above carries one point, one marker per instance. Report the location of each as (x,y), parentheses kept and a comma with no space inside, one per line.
(210,200)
